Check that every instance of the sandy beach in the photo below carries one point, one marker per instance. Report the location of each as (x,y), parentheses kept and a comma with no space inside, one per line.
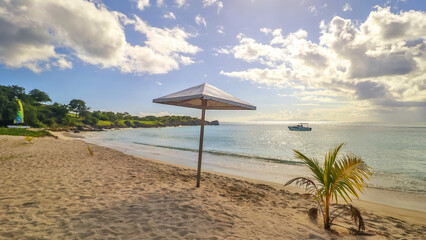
(54,189)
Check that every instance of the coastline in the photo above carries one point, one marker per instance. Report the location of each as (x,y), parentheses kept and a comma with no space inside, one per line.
(231,165)
(55,186)
(99,128)
(408,214)
(383,197)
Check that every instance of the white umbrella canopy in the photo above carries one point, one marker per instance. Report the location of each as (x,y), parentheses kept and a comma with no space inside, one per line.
(216,99)
(204,96)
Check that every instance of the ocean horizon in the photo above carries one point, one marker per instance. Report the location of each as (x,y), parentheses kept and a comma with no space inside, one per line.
(264,150)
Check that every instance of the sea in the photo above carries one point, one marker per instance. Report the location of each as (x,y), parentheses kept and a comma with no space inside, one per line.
(264,151)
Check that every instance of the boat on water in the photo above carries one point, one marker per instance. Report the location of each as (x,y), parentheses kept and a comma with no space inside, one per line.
(300,127)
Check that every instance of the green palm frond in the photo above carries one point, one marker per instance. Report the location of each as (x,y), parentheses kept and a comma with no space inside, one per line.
(329,161)
(312,163)
(339,177)
(349,174)
(90,151)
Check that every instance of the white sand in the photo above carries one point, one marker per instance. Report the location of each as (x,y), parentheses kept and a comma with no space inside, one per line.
(54,189)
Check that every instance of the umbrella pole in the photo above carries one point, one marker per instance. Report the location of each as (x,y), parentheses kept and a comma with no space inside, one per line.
(200,150)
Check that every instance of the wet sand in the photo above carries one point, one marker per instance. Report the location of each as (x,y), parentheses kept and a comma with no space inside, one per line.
(54,189)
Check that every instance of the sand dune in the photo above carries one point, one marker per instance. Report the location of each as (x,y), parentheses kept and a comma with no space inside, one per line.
(54,189)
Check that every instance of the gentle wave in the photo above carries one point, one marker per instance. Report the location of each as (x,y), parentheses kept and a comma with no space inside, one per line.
(220,153)
(399,182)
(289,162)
(397,189)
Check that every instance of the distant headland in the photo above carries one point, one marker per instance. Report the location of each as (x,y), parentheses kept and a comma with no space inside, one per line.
(75,116)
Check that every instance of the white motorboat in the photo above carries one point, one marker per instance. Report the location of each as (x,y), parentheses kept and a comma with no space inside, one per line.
(300,127)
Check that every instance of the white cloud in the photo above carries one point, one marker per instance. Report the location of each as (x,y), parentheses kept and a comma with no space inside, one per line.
(266,30)
(160,3)
(208,3)
(93,34)
(347,7)
(185,60)
(313,10)
(63,64)
(159,83)
(163,50)
(222,51)
(36,28)
(376,63)
(199,20)
(169,15)
(316,112)
(142,4)
(220,29)
(219,6)
(180,3)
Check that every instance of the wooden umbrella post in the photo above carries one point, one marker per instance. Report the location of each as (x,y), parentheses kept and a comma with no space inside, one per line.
(217,99)
(200,150)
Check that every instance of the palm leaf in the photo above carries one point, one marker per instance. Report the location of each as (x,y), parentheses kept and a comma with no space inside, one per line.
(353,212)
(339,177)
(90,151)
(313,165)
(357,217)
(330,159)
(349,174)
(309,185)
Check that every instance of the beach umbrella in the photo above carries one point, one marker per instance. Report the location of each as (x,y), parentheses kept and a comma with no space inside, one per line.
(204,96)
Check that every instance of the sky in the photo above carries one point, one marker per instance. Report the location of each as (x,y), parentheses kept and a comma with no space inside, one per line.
(296,60)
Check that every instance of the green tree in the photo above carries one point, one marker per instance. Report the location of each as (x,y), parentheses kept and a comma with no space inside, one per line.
(18,92)
(342,177)
(8,105)
(8,110)
(39,96)
(78,106)
(58,111)
(32,115)
(150,118)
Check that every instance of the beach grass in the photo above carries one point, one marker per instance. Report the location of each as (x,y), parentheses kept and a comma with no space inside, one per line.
(24,132)
(135,122)
(147,122)
(103,123)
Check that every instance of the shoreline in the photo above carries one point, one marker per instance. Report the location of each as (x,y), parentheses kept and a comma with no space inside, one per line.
(398,199)
(417,215)
(413,215)
(54,186)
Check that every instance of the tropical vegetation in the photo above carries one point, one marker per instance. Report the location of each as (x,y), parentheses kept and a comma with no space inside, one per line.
(39,114)
(339,177)
(24,132)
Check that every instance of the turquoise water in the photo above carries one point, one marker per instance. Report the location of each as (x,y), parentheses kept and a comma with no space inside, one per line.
(397,153)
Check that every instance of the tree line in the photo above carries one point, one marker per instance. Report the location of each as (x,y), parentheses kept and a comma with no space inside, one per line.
(38,113)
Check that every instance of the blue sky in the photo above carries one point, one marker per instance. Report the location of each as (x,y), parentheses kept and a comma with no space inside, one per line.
(295,60)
